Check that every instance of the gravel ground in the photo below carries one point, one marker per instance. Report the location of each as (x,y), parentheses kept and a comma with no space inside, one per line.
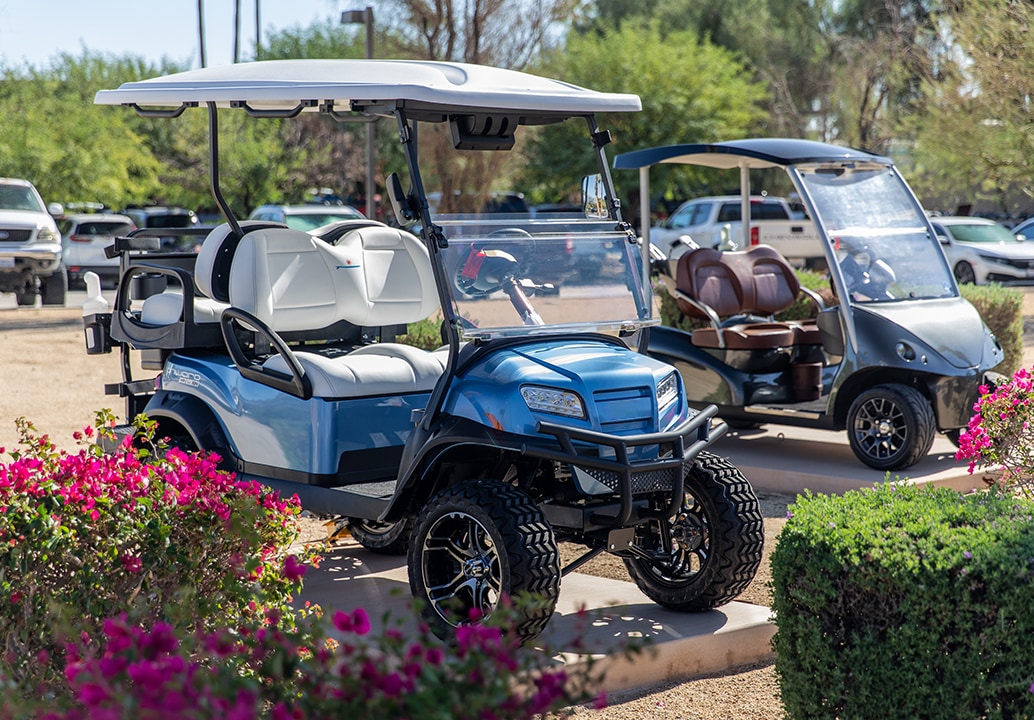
(46,376)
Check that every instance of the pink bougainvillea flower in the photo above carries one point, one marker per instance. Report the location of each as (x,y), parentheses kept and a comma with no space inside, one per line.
(294,570)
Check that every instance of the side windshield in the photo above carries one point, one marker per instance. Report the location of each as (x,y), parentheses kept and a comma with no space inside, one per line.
(879,233)
(514,274)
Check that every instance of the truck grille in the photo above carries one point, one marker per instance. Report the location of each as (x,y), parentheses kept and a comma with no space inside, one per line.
(18,235)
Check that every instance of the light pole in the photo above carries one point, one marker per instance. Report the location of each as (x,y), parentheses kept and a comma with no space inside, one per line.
(365,17)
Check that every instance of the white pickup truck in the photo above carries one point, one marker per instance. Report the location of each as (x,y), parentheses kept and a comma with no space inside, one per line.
(715,222)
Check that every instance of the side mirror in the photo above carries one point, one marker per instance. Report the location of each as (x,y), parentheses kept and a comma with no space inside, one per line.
(400,205)
(594,196)
(56,209)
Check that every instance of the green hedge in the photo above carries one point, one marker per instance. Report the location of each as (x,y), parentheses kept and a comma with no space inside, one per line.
(899,602)
(1002,310)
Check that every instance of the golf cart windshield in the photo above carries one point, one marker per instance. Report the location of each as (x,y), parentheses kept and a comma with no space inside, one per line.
(578,274)
(884,255)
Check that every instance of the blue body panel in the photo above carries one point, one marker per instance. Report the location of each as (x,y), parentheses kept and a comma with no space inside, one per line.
(270,427)
(617,387)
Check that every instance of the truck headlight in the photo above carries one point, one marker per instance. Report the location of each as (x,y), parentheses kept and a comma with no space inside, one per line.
(46,235)
(667,391)
(553,401)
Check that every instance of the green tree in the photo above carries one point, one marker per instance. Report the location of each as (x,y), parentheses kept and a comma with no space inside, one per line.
(975,141)
(692,91)
(69,148)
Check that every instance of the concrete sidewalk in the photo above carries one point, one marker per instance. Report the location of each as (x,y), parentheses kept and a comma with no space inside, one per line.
(678,645)
(789,460)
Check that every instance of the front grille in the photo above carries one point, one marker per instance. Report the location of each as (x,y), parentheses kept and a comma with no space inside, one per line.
(627,410)
(642,482)
(18,235)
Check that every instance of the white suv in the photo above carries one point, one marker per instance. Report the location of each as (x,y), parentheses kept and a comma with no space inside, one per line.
(85,238)
(30,246)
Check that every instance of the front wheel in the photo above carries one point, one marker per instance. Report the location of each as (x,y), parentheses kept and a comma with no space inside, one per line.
(381,537)
(890,427)
(55,288)
(710,551)
(964,274)
(475,543)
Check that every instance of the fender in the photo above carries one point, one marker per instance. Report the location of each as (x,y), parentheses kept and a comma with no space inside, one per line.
(197,419)
(445,435)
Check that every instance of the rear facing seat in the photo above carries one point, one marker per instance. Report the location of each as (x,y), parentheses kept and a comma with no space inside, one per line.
(374,276)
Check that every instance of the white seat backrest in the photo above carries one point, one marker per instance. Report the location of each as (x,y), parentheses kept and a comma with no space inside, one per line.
(212,265)
(293,281)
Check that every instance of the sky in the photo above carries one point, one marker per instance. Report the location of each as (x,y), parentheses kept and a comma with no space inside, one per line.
(34,32)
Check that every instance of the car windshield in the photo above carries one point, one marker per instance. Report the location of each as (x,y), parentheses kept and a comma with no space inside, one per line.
(310,221)
(879,234)
(577,273)
(19,197)
(981,233)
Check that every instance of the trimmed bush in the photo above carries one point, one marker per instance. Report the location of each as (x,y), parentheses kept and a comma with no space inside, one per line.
(898,602)
(1002,311)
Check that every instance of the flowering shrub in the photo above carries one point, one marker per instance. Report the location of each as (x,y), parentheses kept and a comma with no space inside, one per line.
(1000,432)
(158,534)
(148,584)
(272,671)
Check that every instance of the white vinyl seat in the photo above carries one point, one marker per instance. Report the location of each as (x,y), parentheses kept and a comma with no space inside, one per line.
(373,277)
(166,308)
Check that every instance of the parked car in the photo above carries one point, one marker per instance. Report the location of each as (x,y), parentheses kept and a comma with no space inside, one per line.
(715,222)
(981,251)
(305,217)
(84,238)
(169,218)
(1024,228)
(30,245)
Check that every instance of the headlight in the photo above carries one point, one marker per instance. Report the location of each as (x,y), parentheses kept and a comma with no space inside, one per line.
(553,401)
(667,391)
(47,235)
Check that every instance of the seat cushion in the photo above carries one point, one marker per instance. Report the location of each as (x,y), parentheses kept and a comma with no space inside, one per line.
(759,336)
(165,308)
(377,369)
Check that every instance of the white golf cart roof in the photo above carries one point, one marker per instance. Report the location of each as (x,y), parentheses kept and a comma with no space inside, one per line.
(426,89)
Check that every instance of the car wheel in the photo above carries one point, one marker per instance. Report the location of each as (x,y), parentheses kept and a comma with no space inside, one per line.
(55,288)
(384,538)
(964,274)
(709,552)
(890,427)
(475,543)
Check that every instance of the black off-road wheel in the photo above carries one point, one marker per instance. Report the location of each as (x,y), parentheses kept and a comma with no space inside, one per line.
(384,538)
(475,543)
(891,427)
(710,551)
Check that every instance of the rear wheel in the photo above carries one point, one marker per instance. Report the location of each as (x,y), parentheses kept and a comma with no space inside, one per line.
(380,537)
(890,427)
(475,543)
(710,551)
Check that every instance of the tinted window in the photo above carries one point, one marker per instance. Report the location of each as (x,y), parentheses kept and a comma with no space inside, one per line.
(171,221)
(730,212)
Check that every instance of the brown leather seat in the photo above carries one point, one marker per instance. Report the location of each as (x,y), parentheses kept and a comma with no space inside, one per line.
(775,288)
(714,288)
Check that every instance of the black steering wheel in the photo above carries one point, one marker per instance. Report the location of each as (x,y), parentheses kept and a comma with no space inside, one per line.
(488,267)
